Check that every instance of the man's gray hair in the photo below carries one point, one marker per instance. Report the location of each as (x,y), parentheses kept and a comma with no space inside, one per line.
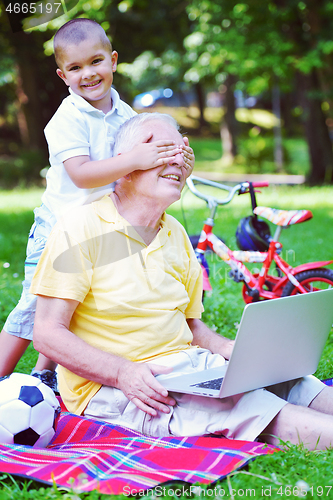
(130,133)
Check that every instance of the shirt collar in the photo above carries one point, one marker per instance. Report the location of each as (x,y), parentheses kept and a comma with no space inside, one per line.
(107,211)
(84,105)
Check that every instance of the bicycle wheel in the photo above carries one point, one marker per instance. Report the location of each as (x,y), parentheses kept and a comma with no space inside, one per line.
(312,280)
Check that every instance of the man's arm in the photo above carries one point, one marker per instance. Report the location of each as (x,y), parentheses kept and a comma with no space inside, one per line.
(206,338)
(53,338)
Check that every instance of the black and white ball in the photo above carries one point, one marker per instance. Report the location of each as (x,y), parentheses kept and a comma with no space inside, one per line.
(28,410)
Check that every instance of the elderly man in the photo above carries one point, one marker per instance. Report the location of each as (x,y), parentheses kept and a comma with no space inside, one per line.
(120,302)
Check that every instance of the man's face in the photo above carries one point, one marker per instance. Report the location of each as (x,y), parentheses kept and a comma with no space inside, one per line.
(166,182)
(87,68)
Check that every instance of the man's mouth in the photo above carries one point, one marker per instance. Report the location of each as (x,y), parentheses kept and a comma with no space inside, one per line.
(92,84)
(172,177)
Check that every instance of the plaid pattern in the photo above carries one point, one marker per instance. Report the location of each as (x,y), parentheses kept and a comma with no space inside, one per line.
(91,455)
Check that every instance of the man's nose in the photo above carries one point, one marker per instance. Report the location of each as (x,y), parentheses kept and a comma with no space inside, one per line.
(178,160)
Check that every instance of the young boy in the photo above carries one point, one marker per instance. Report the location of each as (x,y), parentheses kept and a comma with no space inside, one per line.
(80,138)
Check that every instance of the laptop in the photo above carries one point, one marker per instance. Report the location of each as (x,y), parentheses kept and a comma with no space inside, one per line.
(277,340)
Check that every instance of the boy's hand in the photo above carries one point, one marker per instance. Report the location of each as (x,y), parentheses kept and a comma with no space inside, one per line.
(188,157)
(154,154)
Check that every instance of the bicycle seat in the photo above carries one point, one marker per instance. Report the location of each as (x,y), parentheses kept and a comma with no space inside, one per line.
(283,217)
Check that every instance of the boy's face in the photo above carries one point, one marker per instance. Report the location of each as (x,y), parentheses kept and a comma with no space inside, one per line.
(87,68)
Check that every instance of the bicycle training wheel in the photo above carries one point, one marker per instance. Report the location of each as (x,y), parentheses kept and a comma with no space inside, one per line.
(312,280)
(270,283)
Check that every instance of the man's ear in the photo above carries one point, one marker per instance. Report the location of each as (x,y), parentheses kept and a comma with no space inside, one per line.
(62,76)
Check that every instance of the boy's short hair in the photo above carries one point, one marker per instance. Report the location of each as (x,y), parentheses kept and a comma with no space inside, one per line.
(76,31)
(130,132)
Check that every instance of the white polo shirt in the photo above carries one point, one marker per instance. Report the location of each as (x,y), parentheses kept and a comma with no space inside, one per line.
(79,129)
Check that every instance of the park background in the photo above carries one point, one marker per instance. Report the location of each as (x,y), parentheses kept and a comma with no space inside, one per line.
(250,84)
(254,77)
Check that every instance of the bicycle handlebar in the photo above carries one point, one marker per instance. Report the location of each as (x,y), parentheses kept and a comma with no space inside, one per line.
(240,188)
(262,184)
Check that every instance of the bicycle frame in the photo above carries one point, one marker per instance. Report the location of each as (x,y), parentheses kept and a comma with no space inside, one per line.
(254,284)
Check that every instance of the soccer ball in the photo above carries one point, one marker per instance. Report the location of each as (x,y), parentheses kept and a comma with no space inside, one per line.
(28,410)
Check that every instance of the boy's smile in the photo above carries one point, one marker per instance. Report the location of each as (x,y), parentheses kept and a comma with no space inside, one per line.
(87,68)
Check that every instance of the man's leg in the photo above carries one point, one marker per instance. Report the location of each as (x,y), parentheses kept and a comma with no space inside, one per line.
(324,401)
(12,349)
(298,424)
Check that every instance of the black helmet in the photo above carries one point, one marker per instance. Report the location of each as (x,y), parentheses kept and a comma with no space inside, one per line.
(253,234)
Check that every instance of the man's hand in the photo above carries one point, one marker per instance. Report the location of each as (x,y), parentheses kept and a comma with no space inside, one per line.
(227,348)
(204,337)
(137,382)
(188,157)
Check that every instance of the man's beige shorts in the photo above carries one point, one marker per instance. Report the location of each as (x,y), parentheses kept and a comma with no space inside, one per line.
(243,416)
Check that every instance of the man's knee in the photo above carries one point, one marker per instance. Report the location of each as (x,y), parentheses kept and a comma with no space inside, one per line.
(323,402)
(299,424)
(288,423)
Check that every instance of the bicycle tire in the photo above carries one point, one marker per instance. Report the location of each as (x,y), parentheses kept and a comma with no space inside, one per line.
(307,279)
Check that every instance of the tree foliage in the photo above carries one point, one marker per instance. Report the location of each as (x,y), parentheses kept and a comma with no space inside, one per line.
(253,44)
(265,43)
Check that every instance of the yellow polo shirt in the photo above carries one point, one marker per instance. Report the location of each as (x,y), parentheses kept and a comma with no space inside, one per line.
(134,299)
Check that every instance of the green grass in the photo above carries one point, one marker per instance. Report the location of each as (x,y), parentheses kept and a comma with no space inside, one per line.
(16,218)
(208,155)
(277,476)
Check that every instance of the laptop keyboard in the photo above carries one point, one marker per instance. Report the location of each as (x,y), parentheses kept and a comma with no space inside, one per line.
(210,384)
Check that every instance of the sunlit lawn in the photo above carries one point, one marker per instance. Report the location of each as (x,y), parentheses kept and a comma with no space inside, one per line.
(312,240)
(208,154)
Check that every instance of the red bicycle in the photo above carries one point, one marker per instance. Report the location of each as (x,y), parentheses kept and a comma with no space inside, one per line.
(257,246)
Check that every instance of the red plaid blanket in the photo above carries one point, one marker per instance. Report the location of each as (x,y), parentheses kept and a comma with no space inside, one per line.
(90,455)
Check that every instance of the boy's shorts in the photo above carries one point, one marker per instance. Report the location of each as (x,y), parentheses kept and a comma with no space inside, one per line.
(243,416)
(20,321)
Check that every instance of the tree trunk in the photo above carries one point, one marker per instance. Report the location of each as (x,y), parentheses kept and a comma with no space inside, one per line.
(278,149)
(31,105)
(288,102)
(39,90)
(316,131)
(229,125)
(21,119)
(201,103)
